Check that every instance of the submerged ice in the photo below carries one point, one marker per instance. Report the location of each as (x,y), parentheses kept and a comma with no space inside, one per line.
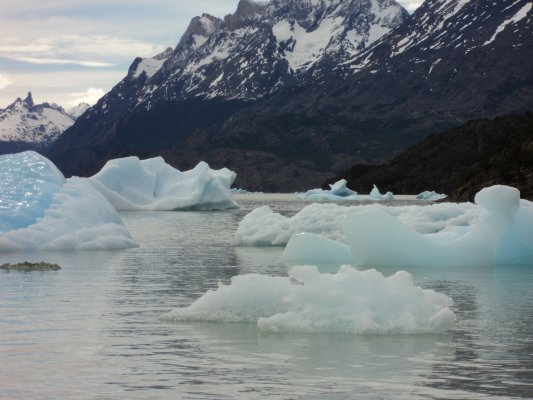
(349,301)
(153,185)
(41,210)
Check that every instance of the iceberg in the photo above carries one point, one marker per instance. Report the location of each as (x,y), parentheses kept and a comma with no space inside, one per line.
(349,301)
(309,248)
(263,227)
(41,210)
(503,234)
(27,183)
(153,185)
(375,194)
(433,196)
(338,192)
(497,230)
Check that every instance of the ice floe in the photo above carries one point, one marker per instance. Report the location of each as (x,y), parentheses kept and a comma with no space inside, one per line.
(153,185)
(349,301)
(497,230)
(430,195)
(375,194)
(41,210)
(338,192)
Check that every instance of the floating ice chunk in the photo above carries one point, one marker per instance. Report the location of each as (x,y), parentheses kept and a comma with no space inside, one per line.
(498,230)
(307,248)
(338,192)
(79,218)
(238,191)
(349,301)
(131,184)
(43,211)
(246,299)
(378,239)
(264,227)
(375,194)
(27,183)
(427,195)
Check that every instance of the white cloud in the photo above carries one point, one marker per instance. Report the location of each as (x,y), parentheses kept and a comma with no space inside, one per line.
(61,87)
(88,50)
(58,61)
(91,96)
(4,82)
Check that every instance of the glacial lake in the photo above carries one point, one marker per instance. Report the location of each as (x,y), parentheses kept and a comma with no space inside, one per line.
(92,329)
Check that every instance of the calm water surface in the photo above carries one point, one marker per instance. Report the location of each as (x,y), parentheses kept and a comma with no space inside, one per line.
(91,330)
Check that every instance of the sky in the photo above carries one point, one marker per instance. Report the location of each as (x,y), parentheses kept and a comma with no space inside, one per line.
(72,51)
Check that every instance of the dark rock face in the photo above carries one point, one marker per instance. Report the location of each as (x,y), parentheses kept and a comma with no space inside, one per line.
(306,115)
(459,162)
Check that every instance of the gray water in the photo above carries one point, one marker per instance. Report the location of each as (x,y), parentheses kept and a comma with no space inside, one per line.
(92,329)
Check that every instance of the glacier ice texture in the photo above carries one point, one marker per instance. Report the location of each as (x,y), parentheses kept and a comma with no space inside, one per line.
(41,210)
(348,301)
(152,185)
(497,230)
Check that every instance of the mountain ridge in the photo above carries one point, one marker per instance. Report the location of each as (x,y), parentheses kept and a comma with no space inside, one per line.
(25,125)
(312,119)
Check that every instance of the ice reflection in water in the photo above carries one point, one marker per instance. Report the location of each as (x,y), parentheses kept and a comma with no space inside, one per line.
(91,330)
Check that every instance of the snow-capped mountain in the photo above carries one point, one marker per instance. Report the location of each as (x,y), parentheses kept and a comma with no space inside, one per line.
(262,47)
(25,125)
(76,111)
(308,87)
(238,60)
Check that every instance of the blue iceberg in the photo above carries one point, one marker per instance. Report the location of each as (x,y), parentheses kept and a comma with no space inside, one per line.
(41,210)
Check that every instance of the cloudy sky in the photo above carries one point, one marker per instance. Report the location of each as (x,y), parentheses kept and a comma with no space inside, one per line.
(68,51)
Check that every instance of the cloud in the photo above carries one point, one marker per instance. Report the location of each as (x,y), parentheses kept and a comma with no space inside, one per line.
(4,82)
(89,51)
(56,61)
(61,87)
(91,96)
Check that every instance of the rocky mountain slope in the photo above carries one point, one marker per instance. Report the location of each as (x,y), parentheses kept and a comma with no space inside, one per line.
(307,88)
(221,66)
(458,162)
(25,125)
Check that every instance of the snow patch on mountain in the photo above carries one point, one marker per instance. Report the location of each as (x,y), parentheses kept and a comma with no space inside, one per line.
(151,65)
(521,14)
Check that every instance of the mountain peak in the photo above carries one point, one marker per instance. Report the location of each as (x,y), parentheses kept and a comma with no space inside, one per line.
(28,101)
(25,125)
(250,7)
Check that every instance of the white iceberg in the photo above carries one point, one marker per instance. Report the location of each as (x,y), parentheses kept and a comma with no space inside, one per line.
(375,194)
(503,234)
(41,210)
(430,195)
(498,230)
(263,227)
(349,301)
(338,192)
(153,185)
(309,248)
